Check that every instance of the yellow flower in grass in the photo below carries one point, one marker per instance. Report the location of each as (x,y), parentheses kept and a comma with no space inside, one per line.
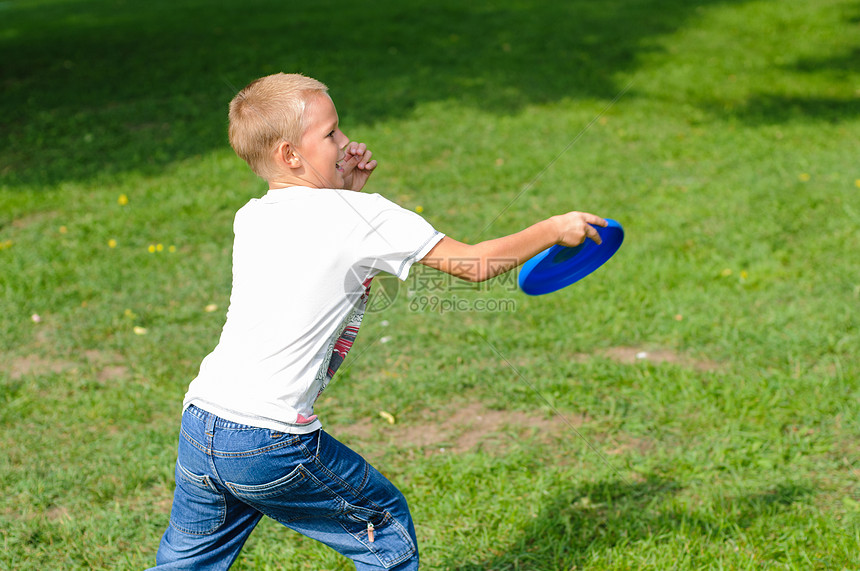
(151,249)
(419,209)
(111,243)
(804,177)
(857,183)
(122,200)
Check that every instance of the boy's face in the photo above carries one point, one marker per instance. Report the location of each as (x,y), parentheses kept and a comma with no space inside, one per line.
(323,143)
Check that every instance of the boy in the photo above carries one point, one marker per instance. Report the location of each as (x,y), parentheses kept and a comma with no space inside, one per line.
(303,259)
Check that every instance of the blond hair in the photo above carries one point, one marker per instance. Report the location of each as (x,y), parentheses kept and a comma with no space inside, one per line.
(267,112)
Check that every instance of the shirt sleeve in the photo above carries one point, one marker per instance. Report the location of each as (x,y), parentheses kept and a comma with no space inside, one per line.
(390,238)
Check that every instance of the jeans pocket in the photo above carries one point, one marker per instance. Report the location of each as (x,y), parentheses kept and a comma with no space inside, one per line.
(294,496)
(198,507)
(380,534)
(268,489)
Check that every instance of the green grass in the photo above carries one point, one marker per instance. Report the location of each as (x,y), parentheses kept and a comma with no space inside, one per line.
(730,158)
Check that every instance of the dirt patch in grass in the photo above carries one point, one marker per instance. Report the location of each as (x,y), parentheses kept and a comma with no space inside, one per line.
(470,427)
(35,218)
(632,355)
(629,444)
(107,366)
(57,513)
(36,365)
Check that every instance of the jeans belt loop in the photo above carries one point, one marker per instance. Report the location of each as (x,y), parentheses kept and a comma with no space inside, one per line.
(210,428)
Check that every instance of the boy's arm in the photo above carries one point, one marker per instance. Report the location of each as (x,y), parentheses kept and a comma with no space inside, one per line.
(490,258)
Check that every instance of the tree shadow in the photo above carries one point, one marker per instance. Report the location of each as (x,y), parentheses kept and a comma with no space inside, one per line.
(769,108)
(601,516)
(103,88)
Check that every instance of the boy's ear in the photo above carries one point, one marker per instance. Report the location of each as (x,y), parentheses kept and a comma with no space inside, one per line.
(285,155)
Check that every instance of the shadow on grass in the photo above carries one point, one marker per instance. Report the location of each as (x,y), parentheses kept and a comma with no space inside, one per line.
(771,108)
(599,517)
(98,88)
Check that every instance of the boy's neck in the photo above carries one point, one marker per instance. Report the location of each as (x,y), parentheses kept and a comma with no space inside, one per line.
(289,181)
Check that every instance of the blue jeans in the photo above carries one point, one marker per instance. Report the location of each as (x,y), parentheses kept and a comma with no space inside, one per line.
(229,475)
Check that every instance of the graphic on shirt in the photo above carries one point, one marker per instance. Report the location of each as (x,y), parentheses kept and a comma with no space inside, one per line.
(342,347)
(345,339)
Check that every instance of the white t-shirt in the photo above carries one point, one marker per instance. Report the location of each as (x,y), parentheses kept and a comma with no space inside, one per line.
(303,260)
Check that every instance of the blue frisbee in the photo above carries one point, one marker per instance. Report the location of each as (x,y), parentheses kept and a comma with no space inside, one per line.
(559,266)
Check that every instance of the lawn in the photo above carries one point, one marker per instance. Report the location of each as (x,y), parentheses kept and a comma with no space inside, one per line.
(692,405)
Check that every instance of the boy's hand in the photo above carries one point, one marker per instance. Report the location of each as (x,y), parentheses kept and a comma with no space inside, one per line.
(357,166)
(575,227)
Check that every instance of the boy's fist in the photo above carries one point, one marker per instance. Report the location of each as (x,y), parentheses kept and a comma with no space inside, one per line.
(357,165)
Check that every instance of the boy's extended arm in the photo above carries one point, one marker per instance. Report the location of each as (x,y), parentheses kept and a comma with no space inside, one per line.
(490,258)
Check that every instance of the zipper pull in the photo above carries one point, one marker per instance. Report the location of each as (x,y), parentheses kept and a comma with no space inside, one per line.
(370,532)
